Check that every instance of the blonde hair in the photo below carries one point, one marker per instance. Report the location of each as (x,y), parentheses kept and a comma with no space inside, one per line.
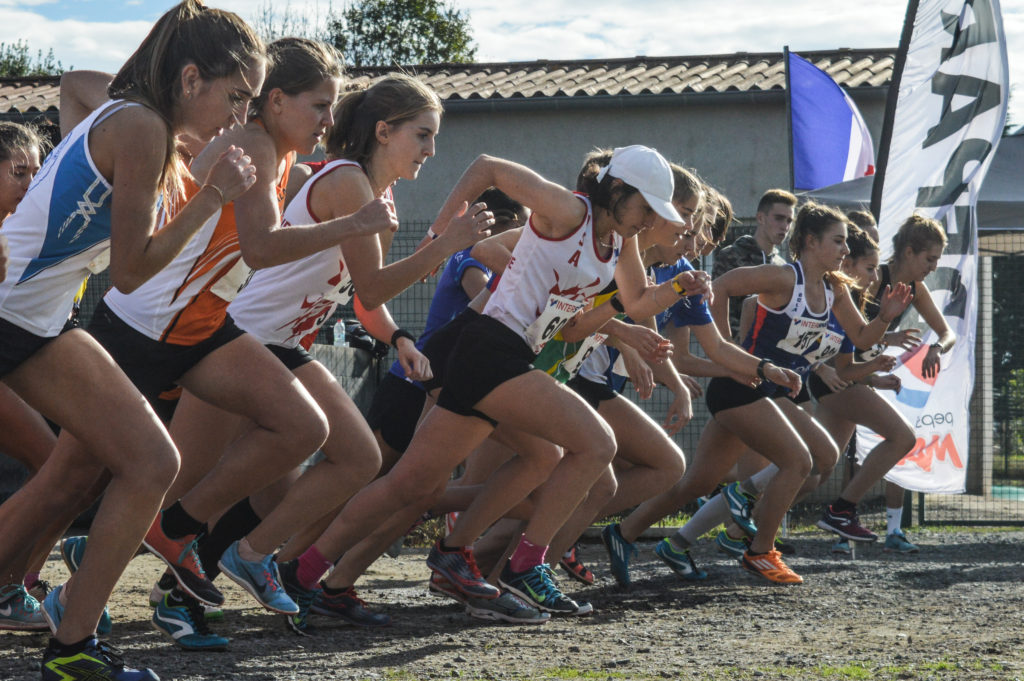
(297,65)
(919,233)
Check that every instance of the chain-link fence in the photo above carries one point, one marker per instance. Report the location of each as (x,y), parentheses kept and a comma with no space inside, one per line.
(996,480)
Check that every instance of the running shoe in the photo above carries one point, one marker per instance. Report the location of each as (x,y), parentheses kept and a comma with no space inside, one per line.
(442,587)
(99,660)
(459,567)
(770,566)
(185,624)
(260,578)
(349,607)
(896,542)
(731,546)
(537,588)
(620,552)
(166,584)
(19,611)
(575,567)
(302,596)
(785,548)
(679,561)
(741,508)
(846,525)
(180,555)
(71,551)
(39,589)
(842,546)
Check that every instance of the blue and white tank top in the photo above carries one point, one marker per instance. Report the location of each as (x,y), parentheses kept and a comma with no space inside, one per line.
(796,337)
(60,227)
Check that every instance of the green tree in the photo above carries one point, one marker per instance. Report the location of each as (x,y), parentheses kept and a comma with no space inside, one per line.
(388,32)
(16,62)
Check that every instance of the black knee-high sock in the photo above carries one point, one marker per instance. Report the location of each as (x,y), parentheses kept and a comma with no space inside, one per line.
(177,523)
(239,521)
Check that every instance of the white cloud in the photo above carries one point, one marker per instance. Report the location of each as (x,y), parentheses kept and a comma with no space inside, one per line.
(85,45)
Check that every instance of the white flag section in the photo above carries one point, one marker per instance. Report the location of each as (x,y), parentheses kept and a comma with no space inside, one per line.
(949,116)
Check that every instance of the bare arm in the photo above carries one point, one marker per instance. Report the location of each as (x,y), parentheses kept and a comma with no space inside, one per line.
(138,250)
(556,210)
(642,300)
(773,285)
(866,334)
(81,93)
(495,251)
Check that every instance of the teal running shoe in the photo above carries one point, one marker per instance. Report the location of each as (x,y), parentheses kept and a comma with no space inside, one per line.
(19,611)
(741,508)
(302,596)
(679,561)
(896,542)
(620,552)
(733,547)
(538,589)
(180,618)
(260,578)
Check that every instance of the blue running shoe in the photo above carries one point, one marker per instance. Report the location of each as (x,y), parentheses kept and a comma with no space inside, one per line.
(97,660)
(741,508)
(53,610)
(180,618)
(302,596)
(620,552)
(679,561)
(260,578)
(458,566)
(19,611)
(538,589)
(71,551)
(733,547)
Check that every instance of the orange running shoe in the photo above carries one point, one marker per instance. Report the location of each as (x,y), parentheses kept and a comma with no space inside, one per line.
(770,566)
(180,556)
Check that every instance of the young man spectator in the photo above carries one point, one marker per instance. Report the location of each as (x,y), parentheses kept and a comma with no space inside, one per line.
(774,218)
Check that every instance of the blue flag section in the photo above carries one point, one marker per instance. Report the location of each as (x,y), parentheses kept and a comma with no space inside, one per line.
(831,143)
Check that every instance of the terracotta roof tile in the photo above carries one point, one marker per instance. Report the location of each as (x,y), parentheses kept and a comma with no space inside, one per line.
(739,72)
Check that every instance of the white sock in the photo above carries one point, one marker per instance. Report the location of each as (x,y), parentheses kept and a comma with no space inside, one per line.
(893,519)
(759,479)
(710,515)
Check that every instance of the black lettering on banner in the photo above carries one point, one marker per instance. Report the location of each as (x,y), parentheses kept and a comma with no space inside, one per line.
(953,184)
(981,31)
(984,95)
(960,227)
(942,279)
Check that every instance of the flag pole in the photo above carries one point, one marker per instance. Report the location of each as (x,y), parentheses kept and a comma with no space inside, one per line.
(882,158)
(789,117)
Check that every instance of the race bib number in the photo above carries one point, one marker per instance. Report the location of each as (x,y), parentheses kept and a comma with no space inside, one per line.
(803,336)
(573,364)
(557,313)
(829,346)
(228,286)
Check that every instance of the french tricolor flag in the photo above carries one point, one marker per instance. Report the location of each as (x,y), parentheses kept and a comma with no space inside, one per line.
(831,143)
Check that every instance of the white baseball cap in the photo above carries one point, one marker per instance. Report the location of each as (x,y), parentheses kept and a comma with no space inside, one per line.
(648,171)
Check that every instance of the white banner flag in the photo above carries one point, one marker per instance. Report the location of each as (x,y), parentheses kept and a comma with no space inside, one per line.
(950,109)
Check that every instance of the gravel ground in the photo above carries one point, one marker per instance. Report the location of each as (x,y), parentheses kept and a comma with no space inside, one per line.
(954,611)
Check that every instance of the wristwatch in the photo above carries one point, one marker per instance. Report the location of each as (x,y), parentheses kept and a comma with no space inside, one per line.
(937,346)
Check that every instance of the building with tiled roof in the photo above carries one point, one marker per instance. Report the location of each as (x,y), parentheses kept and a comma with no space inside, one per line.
(722,114)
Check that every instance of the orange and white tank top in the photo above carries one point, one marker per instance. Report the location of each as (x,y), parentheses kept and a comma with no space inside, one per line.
(287,304)
(548,280)
(187,301)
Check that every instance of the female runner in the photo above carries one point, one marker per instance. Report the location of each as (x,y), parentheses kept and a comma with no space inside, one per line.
(210,65)
(917,247)
(795,304)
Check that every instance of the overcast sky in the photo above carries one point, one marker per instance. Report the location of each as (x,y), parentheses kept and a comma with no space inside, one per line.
(100,34)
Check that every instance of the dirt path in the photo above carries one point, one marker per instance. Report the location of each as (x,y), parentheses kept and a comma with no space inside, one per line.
(955,611)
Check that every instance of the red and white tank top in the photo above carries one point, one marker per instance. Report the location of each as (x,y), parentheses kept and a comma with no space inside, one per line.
(287,304)
(548,280)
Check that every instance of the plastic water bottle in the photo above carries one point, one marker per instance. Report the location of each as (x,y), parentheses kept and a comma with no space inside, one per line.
(339,333)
